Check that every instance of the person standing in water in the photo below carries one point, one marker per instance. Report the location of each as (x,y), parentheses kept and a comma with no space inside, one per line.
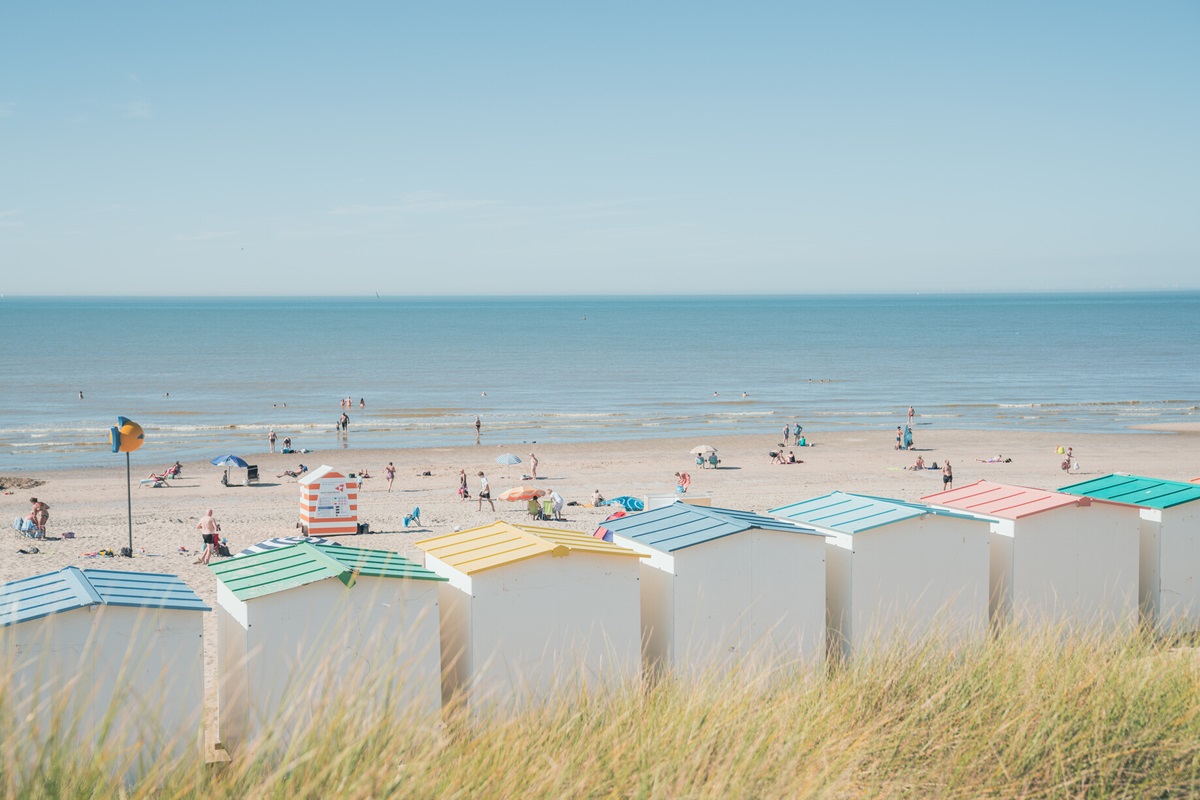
(477,426)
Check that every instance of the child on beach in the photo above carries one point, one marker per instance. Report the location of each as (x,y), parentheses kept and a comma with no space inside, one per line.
(389,472)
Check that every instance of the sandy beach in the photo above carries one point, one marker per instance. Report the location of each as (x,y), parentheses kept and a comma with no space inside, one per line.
(92,503)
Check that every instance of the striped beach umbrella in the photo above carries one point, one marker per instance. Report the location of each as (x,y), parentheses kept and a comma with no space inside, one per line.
(284,541)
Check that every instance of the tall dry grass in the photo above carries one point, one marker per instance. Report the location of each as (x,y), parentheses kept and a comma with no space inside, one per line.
(1026,715)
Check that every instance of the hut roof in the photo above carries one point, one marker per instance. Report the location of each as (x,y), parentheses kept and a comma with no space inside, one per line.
(855,513)
(71,588)
(1004,500)
(1136,490)
(323,471)
(289,567)
(680,525)
(502,543)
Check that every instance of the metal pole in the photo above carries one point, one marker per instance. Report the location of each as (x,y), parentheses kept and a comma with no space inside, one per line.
(129,502)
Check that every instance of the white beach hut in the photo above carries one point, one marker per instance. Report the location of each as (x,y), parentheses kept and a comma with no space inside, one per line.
(722,587)
(302,627)
(85,651)
(898,572)
(530,611)
(1169,532)
(1055,558)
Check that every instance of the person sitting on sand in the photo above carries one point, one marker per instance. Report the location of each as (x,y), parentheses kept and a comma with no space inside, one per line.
(993,460)
(597,498)
(778,458)
(362,473)
(920,463)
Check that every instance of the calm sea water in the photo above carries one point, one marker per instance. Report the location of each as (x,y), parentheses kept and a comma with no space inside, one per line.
(573,369)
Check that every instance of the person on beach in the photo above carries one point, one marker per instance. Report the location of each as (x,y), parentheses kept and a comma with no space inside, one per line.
(389,472)
(287,444)
(477,425)
(293,474)
(208,528)
(920,463)
(485,492)
(899,436)
(797,429)
(947,476)
(463,492)
(597,498)
(271,439)
(682,482)
(787,432)
(533,462)
(39,515)
(556,504)
(362,403)
(344,420)
(910,416)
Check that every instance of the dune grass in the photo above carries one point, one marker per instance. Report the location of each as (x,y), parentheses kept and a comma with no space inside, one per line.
(1022,716)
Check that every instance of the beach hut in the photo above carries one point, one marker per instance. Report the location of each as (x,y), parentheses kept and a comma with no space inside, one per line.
(304,627)
(897,572)
(654,501)
(722,587)
(105,661)
(530,611)
(328,502)
(1055,558)
(1169,533)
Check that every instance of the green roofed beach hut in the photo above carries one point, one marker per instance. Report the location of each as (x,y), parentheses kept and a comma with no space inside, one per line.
(304,626)
(1169,543)
(103,654)
(722,587)
(897,572)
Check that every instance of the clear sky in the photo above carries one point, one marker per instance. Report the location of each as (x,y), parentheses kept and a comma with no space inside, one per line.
(547,148)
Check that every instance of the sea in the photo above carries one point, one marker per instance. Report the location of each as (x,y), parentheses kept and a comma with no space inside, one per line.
(209,376)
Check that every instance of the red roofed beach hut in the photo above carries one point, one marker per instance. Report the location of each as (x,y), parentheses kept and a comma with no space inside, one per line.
(328,502)
(1055,558)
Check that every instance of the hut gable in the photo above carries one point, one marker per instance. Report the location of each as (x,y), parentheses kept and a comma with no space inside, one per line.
(502,543)
(286,568)
(1136,490)
(679,525)
(71,588)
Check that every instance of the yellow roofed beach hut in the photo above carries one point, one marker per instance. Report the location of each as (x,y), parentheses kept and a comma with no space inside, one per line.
(1169,544)
(529,611)
(307,628)
(103,659)
(723,588)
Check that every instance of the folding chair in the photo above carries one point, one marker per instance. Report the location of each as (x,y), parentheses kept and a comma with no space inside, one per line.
(414,517)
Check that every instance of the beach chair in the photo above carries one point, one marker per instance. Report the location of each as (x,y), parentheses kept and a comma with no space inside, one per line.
(155,482)
(251,474)
(414,517)
(547,509)
(713,461)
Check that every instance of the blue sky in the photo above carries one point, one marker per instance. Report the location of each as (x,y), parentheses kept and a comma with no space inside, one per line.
(546,148)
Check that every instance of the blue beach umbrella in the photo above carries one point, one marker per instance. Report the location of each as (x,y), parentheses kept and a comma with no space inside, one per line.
(227,462)
(626,502)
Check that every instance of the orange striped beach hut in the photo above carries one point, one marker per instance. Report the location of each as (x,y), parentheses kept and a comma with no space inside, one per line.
(328,502)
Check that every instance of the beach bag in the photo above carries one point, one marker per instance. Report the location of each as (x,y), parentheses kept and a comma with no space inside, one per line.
(223,550)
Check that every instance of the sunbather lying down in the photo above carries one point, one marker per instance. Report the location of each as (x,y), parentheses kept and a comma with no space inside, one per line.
(994,460)
(290,474)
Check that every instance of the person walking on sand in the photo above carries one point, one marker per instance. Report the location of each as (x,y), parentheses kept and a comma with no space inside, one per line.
(947,476)
(463,492)
(485,492)
(533,462)
(208,528)
(477,425)
(271,439)
(389,472)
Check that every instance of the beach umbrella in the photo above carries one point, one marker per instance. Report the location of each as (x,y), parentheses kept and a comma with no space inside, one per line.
(508,458)
(521,493)
(228,461)
(626,502)
(284,541)
(702,450)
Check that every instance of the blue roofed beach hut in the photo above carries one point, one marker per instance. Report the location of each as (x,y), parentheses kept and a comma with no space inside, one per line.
(86,650)
(897,571)
(722,587)
(1168,543)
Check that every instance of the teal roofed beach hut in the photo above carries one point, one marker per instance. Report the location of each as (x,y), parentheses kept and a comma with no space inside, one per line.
(1168,543)
(898,571)
(103,654)
(303,626)
(724,587)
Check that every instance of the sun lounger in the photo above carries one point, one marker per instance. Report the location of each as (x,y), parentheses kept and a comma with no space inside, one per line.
(251,474)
